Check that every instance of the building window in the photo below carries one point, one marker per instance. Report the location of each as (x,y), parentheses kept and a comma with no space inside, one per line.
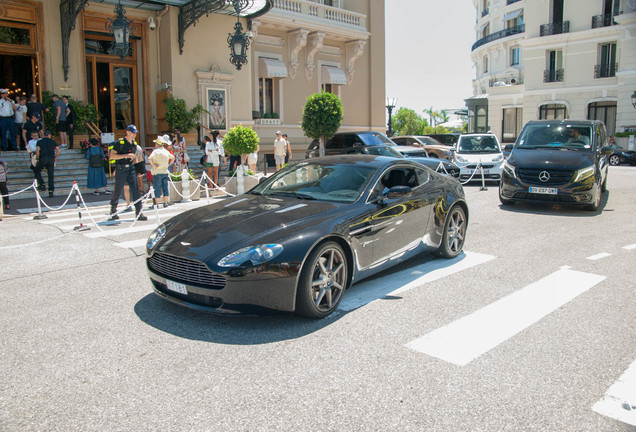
(606,66)
(485,31)
(329,88)
(485,64)
(512,123)
(514,19)
(266,92)
(515,52)
(553,112)
(554,66)
(604,111)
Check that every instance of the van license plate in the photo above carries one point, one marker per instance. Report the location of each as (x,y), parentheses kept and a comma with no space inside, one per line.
(176,287)
(544,190)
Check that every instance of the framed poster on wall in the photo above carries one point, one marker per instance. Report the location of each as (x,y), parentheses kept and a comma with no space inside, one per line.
(216,99)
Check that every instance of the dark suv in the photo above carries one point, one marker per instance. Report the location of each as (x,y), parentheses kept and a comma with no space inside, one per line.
(378,144)
(562,161)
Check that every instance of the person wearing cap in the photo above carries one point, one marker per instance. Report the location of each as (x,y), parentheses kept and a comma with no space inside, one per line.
(46,152)
(280,150)
(33,124)
(7,113)
(160,159)
(123,153)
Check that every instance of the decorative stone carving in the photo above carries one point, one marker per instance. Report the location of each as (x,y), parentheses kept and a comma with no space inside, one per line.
(314,43)
(254,29)
(297,41)
(354,50)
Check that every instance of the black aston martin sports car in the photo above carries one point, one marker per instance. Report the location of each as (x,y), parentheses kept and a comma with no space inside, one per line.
(297,240)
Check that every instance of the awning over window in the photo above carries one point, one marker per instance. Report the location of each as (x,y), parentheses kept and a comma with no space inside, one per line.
(512,15)
(333,75)
(271,68)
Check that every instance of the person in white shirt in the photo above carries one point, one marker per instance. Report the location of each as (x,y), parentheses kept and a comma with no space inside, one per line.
(7,108)
(160,159)
(214,152)
(19,120)
(32,146)
(280,150)
(577,138)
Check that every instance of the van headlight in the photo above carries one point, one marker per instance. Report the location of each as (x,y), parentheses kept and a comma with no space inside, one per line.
(509,169)
(583,173)
(256,254)
(155,236)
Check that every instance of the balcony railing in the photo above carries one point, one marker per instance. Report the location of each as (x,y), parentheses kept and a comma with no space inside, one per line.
(605,70)
(484,12)
(555,28)
(498,35)
(553,75)
(606,20)
(509,2)
(313,10)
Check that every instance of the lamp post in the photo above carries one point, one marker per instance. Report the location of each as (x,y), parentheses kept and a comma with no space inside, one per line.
(390,104)
(121,28)
(238,41)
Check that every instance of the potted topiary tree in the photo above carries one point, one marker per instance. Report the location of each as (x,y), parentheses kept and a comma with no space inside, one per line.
(322,117)
(240,141)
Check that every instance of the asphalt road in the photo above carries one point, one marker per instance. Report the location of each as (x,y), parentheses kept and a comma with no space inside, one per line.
(86,346)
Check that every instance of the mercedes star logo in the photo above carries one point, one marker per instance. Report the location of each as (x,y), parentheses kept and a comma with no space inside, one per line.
(544,176)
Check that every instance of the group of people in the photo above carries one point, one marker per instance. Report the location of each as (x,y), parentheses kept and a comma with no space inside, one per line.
(20,118)
(282,150)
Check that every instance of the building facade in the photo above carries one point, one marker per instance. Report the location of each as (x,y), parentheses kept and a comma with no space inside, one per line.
(180,48)
(552,59)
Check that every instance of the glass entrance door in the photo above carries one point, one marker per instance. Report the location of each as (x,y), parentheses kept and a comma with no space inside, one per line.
(111,88)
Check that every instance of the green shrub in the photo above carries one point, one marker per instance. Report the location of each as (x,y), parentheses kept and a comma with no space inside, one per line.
(240,140)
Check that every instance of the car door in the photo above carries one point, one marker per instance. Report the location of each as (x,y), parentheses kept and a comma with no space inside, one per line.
(399,223)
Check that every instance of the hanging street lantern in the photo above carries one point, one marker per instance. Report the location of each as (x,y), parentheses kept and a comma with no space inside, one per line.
(121,28)
(238,42)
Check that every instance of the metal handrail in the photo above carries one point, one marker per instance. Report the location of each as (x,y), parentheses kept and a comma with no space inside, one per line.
(605,70)
(555,28)
(553,75)
(498,35)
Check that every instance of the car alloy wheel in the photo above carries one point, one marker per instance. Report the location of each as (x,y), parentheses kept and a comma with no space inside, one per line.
(454,233)
(322,281)
(614,160)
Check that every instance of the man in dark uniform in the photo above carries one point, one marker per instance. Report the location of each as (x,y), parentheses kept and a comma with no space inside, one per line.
(47,152)
(33,124)
(70,121)
(123,153)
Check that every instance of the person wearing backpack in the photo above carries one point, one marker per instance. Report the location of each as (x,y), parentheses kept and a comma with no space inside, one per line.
(96,178)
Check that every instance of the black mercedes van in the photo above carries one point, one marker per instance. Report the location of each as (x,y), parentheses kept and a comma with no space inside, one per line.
(557,161)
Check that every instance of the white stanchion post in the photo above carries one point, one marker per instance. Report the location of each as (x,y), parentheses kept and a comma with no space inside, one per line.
(483,180)
(240,182)
(185,186)
(37,198)
(207,187)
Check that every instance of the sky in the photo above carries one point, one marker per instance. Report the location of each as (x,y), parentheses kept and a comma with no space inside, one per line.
(428,53)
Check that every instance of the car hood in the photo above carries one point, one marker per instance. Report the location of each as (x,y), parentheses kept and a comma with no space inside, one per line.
(233,223)
(545,158)
(481,157)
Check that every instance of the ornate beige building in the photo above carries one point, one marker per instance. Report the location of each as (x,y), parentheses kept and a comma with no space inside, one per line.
(545,59)
(180,47)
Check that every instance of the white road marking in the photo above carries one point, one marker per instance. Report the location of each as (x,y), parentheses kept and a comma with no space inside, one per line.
(619,401)
(630,247)
(133,243)
(462,341)
(367,291)
(599,256)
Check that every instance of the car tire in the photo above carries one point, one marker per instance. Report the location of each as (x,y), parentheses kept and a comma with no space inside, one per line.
(454,233)
(323,281)
(505,201)
(604,184)
(597,202)
(614,160)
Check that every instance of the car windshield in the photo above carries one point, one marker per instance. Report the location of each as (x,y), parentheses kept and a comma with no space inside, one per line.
(314,181)
(477,144)
(557,137)
(380,151)
(375,139)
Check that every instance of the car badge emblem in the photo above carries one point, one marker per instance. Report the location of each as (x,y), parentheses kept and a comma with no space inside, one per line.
(544,176)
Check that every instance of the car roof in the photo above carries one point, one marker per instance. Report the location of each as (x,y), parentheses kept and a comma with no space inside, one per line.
(566,122)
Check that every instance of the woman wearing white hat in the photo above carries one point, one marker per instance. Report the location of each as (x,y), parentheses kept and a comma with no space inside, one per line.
(160,159)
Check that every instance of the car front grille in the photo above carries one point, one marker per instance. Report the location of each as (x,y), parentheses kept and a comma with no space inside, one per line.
(484,166)
(185,270)
(543,197)
(557,177)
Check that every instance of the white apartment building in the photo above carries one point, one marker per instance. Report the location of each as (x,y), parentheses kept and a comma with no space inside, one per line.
(552,59)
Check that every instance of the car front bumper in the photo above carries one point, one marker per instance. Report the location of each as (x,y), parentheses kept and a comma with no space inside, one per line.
(581,193)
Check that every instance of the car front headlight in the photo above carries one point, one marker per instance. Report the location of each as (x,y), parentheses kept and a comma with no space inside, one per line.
(498,158)
(509,169)
(256,254)
(583,173)
(459,158)
(155,236)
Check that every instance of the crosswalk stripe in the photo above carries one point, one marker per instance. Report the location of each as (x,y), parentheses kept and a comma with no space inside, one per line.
(467,338)
(619,401)
(599,256)
(133,243)
(122,231)
(630,247)
(367,291)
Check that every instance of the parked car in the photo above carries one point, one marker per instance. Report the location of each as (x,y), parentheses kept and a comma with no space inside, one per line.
(343,142)
(557,161)
(449,139)
(433,147)
(297,240)
(478,155)
(620,155)
(410,151)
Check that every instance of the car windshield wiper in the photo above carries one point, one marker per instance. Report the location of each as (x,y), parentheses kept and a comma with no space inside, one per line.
(301,195)
(298,195)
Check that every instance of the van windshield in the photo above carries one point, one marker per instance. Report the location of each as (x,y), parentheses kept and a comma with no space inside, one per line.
(556,137)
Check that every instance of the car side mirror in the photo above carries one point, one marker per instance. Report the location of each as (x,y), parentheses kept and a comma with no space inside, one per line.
(508,147)
(452,149)
(399,192)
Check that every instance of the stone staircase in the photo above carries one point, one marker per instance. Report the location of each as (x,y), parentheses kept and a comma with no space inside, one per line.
(71,166)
